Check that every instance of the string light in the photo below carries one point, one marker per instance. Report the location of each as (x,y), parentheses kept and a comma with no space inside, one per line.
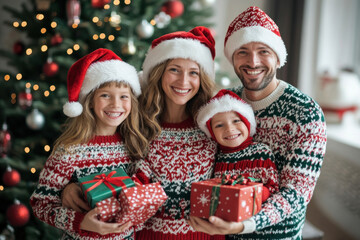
(13,101)
(39,16)
(69,51)
(153,22)
(47,148)
(106,6)
(16,24)
(95,19)
(118,28)
(19,76)
(13,96)
(23,23)
(27,150)
(95,37)
(33,170)
(52,88)
(76,47)
(28,51)
(74,25)
(36,87)
(116,2)
(43,30)
(53,24)
(1,188)
(111,37)
(28,85)
(44,48)
(46,93)
(127,2)
(7,77)
(102,36)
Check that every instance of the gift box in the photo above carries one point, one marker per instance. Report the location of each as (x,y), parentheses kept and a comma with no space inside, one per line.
(234,202)
(100,186)
(108,209)
(140,203)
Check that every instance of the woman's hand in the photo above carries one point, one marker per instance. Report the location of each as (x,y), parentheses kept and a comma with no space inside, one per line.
(93,224)
(215,226)
(72,197)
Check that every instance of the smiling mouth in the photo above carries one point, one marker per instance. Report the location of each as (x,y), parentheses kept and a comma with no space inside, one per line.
(113,115)
(181,91)
(233,136)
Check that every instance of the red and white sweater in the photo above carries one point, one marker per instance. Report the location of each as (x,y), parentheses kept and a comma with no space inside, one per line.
(179,156)
(101,154)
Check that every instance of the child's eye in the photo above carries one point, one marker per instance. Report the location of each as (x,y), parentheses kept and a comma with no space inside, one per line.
(125,96)
(194,73)
(218,125)
(105,95)
(237,120)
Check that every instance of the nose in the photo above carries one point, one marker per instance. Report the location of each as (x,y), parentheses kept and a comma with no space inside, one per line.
(116,102)
(253,60)
(184,77)
(229,127)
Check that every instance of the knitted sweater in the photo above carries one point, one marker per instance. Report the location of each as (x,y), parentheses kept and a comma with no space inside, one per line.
(293,125)
(256,160)
(101,154)
(179,156)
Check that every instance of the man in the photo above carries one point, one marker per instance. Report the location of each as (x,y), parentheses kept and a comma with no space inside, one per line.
(290,122)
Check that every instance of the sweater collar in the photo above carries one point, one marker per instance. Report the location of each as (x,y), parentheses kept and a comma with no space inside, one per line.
(189,122)
(106,139)
(242,146)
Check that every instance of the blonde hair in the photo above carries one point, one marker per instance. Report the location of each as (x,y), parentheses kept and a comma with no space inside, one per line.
(152,100)
(81,129)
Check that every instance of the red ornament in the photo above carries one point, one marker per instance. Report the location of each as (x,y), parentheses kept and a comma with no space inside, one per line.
(99,3)
(56,39)
(50,68)
(73,10)
(19,48)
(25,99)
(11,177)
(173,8)
(5,141)
(17,214)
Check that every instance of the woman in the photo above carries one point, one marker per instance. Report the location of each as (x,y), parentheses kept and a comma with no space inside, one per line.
(178,78)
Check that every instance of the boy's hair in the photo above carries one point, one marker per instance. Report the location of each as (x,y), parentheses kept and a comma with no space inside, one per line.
(81,129)
(152,100)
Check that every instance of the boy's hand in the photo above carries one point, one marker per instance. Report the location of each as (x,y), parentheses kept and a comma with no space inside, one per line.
(72,197)
(215,226)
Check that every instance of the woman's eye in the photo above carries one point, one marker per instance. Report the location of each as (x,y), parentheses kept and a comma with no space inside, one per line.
(173,70)
(195,73)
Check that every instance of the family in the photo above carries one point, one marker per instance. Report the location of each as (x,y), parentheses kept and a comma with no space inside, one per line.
(166,124)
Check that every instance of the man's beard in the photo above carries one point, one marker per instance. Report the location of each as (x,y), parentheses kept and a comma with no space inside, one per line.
(263,84)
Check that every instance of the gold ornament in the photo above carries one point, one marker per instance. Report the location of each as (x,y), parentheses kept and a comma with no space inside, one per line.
(129,48)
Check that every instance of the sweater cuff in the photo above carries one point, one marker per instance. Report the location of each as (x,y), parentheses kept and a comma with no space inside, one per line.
(77,221)
(249,226)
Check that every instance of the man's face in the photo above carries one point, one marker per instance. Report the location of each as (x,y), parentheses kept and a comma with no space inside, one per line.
(255,64)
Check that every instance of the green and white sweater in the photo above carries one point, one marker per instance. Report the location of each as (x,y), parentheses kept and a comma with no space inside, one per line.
(101,154)
(293,125)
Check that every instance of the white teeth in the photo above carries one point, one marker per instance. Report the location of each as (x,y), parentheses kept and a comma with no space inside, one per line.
(253,72)
(113,114)
(233,136)
(180,90)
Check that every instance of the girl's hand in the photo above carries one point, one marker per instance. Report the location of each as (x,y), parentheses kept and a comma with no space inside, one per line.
(93,224)
(215,226)
(72,197)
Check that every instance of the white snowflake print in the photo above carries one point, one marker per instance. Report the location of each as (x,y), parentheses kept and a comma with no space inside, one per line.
(203,199)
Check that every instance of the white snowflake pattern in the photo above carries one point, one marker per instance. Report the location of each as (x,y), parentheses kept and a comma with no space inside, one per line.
(203,199)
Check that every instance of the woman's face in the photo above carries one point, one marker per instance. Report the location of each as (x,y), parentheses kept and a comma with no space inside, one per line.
(180,81)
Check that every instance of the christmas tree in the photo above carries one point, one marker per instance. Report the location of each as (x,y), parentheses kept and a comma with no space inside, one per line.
(32,95)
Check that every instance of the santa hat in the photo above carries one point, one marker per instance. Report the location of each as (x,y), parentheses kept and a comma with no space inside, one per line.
(198,45)
(92,70)
(254,25)
(225,101)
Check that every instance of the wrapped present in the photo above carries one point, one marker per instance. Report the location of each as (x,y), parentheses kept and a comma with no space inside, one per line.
(108,209)
(232,199)
(99,186)
(140,203)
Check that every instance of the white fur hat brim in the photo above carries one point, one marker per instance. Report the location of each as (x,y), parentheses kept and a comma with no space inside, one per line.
(179,48)
(255,34)
(226,103)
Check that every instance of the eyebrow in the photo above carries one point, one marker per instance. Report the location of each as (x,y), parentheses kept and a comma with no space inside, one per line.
(176,65)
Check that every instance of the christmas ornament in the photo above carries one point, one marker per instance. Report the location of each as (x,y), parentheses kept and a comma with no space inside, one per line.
(174,8)
(25,99)
(115,19)
(56,39)
(11,177)
(225,81)
(162,20)
(50,68)
(73,11)
(19,48)
(207,3)
(5,140)
(129,48)
(43,5)
(35,120)
(145,29)
(99,3)
(8,233)
(17,214)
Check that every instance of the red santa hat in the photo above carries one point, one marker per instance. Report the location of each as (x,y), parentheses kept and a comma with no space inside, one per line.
(225,101)
(92,70)
(198,45)
(254,25)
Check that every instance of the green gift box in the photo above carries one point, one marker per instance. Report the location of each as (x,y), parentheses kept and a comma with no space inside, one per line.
(99,186)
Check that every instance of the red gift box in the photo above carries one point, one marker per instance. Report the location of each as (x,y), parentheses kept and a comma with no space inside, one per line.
(136,204)
(233,203)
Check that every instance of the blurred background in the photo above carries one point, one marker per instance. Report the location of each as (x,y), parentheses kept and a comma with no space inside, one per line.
(41,39)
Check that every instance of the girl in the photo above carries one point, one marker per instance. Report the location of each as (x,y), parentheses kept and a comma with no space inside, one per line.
(101,135)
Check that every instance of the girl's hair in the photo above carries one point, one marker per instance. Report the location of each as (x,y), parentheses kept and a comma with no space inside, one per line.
(81,129)
(152,100)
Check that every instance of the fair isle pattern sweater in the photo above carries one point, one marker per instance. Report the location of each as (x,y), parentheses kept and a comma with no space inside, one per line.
(179,156)
(101,154)
(256,160)
(293,125)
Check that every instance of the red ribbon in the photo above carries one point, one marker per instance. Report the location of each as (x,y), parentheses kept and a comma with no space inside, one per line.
(107,180)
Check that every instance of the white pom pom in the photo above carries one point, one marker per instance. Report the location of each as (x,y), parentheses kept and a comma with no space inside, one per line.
(72,109)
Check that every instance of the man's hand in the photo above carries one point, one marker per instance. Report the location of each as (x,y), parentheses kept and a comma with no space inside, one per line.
(72,197)
(215,226)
